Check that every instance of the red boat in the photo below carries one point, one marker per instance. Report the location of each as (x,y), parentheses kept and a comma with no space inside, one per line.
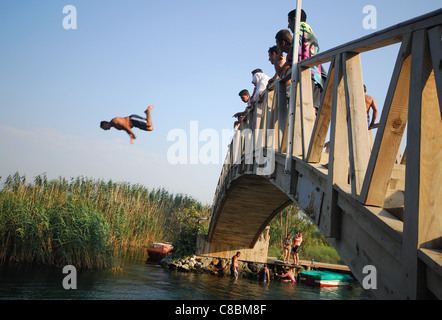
(159,251)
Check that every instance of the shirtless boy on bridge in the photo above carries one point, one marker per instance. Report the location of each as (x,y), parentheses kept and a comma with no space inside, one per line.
(127,123)
(370,103)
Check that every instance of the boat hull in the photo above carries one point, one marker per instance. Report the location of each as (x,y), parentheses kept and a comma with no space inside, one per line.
(325,279)
(158,252)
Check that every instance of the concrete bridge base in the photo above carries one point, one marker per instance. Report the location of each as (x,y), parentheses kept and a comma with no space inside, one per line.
(224,250)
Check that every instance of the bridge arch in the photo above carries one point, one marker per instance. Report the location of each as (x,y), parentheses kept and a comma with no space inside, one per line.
(239,220)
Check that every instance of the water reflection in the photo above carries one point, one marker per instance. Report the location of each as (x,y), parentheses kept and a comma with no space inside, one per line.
(140,281)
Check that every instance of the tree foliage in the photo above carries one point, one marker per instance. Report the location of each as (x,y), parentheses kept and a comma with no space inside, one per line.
(289,222)
(186,224)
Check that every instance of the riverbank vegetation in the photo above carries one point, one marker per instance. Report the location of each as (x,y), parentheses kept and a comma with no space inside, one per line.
(314,245)
(89,223)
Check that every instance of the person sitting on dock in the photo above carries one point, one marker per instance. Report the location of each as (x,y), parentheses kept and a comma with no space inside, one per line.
(127,123)
(295,250)
(288,274)
(234,266)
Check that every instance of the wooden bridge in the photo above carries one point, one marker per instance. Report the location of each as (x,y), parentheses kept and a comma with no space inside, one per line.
(375,207)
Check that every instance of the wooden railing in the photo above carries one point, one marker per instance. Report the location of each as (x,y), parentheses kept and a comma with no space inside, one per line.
(367,170)
(370,166)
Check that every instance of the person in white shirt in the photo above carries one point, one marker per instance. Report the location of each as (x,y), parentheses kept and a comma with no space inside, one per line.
(260,81)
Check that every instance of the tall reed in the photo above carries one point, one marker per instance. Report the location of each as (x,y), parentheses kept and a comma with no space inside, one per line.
(83,222)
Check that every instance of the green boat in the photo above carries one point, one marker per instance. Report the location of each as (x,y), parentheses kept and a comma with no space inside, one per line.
(325,278)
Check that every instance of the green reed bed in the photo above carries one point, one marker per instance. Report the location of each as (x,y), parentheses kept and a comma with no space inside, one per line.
(83,222)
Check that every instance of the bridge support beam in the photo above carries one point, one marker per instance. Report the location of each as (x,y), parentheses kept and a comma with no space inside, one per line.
(225,250)
(422,218)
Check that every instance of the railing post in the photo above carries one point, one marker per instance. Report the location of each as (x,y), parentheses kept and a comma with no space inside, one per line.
(322,123)
(422,218)
(338,158)
(307,113)
(357,120)
(391,128)
(293,88)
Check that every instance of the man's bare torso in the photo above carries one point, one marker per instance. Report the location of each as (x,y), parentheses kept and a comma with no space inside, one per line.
(235,261)
(121,123)
(368,102)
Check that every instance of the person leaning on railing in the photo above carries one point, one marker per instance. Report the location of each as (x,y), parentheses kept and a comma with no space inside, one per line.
(245,97)
(308,47)
(277,59)
(284,44)
(259,80)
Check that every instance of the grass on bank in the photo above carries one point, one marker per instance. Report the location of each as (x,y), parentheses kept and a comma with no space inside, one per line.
(89,223)
(84,222)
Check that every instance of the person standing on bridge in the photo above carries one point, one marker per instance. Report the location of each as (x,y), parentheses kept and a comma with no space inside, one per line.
(308,47)
(284,41)
(277,59)
(234,266)
(245,97)
(127,123)
(370,104)
(284,44)
(259,80)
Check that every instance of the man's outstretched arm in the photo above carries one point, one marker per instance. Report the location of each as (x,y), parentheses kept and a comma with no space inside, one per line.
(131,134)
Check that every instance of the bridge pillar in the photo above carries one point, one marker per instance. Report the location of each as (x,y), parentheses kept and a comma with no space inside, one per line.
(217,249)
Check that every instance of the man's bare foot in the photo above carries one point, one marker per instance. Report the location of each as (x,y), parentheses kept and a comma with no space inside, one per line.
(148,109)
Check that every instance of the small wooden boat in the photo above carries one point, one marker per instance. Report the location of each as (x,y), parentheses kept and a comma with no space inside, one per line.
(159,251)
(325,278)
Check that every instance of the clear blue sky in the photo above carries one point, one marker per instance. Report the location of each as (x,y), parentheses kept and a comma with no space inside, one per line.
(187,58)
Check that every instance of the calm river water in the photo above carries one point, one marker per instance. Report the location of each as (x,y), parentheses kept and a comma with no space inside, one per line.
(140,281)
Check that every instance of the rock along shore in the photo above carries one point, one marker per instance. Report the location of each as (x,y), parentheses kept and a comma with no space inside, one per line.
(216,266)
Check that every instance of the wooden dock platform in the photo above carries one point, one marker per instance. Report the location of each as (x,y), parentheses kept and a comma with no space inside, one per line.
(308,265)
